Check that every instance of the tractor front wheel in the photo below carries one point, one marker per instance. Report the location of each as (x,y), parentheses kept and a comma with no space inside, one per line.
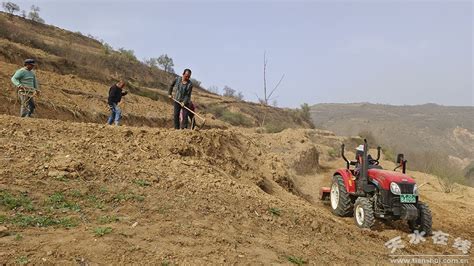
(364,212)
(424,221)
(341,203)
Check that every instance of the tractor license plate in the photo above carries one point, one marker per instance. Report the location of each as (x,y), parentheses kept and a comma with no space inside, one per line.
(407,198)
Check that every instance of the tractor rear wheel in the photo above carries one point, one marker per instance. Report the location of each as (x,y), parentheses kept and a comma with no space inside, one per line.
(364,212)
(424,221)
(341,203)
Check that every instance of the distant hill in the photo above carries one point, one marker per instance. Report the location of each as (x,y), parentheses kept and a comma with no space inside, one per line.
(419,129)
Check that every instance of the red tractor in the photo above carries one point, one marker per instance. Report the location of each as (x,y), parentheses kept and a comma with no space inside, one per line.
(366,191)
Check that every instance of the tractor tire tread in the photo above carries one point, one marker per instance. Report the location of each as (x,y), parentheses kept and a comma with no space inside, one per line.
(424,224)
(345,207)
(369,216)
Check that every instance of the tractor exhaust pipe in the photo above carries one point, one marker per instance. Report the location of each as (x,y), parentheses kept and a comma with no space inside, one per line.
(401,163)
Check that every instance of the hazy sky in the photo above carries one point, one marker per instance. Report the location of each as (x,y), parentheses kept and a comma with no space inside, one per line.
(397,52)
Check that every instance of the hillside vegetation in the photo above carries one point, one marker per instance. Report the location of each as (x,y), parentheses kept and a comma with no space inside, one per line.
(76,71)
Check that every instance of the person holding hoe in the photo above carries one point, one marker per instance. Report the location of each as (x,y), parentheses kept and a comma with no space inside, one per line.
(182,98)
(25,81)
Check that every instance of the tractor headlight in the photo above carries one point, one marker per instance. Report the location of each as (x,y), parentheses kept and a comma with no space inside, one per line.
(415,190)
(395,188)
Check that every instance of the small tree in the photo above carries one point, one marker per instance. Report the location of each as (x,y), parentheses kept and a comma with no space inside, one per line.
(107,48)
(129,54)
(34,14)
(23,14)
(214,89)
(152,62)
(166,63)
(229,92)
(239,96)
(267,97)
(306,114)
(10,7)
(195,82)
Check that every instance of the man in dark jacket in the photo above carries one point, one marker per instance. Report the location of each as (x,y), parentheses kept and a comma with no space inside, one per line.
(115,96)
(182,98)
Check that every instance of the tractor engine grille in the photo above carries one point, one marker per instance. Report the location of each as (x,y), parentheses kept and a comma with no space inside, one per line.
(406,188)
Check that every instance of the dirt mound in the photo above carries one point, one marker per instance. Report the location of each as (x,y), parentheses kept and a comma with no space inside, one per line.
(89,193)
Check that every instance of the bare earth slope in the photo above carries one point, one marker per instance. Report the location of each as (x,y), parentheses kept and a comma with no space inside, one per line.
(159,195)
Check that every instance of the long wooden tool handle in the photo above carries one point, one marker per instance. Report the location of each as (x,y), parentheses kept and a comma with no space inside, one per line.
(190,110)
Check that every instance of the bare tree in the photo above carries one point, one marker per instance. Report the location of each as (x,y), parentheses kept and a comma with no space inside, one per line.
(34,14)
(229,92)
(268,97)
(214,89)
(10,7)
(166,63)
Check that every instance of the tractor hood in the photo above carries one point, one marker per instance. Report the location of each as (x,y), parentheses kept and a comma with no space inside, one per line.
(384,177)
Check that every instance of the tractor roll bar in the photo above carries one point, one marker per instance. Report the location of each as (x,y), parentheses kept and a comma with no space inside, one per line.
(344,157)
(378,153)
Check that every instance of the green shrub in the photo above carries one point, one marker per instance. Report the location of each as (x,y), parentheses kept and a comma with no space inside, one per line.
(155,96)
(302,115)
(236,119)
(274,211)
(333,153)
(58,201)
(274,127)
(129,54)
(42,221)
(101,231)
(233,118)
(12,202)
(296,260)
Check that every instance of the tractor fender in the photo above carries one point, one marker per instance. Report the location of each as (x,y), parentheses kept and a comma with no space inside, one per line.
(349,180)
(376,183)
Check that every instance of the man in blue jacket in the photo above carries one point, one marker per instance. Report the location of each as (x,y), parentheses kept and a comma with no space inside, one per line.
(182,98)
(115,96)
